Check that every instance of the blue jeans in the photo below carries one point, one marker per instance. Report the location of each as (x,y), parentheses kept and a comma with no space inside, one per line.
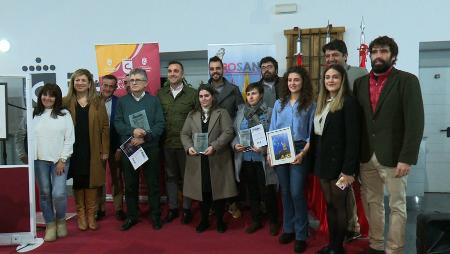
(52,189)
(292,180)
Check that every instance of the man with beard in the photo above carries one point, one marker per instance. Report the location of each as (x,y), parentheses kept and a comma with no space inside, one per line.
(269,80)
(336,53)
(227,94)
(392,128)
(177,99)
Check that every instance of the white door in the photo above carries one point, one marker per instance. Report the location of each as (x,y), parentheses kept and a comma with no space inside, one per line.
(435,83)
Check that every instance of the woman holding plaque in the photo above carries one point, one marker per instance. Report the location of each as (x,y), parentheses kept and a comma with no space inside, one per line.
(294,109)
(335,145)
(53,130)
(250,165)
(90,151)
(208,177)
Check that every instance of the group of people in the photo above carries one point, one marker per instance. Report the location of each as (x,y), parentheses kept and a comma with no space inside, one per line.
(365,126)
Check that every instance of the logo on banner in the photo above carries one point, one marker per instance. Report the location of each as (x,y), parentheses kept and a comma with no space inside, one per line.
(109,62)
(127,66)
(144,61)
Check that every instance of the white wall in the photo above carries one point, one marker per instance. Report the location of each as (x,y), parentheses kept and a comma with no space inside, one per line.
(64,33)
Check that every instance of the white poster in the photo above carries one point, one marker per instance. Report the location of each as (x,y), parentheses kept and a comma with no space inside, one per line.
(241,61)
(3,103)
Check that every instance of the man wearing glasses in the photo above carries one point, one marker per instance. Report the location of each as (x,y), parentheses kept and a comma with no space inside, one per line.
(140,116)
(392,128)
(269,80)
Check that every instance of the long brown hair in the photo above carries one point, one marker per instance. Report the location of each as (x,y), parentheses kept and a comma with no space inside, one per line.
(338,101)
(306,92)
(51,90)
(71,96)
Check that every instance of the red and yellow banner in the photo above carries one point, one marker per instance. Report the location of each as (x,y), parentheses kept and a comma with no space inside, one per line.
(120,59)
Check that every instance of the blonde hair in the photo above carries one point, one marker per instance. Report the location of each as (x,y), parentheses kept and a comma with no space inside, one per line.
(71,96)
(338,102)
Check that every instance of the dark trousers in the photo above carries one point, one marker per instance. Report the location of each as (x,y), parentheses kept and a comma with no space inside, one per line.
(207,203)
(151,174)
(336,211)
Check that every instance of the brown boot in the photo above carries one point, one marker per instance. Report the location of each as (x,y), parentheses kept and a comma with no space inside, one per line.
(61,228)
(81,209)
(91,207)
(50,232)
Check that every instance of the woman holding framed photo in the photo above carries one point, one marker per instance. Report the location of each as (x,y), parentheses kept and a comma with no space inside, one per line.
(335,145)
(294,109)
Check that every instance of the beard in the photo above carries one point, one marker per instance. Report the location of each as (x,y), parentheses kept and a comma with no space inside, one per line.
(217,76)
(269,77)
(380,68)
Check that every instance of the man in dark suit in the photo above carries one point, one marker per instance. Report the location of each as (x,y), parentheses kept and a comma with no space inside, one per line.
(109,86)
(392,126)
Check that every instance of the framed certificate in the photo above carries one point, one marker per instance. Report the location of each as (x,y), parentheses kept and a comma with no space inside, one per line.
(281,146)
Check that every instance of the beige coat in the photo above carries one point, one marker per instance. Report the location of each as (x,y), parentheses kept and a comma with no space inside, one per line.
(220,133)
(98,138)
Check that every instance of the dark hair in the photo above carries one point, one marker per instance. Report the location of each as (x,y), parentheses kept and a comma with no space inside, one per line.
(51,90)
(215,59)
(269,59)
(111,77)
(176,62)
(256,86)
(306,92)
(336,44)
(210,89)
(385,41)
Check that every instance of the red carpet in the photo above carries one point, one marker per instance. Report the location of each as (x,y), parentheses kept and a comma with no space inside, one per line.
(173,238)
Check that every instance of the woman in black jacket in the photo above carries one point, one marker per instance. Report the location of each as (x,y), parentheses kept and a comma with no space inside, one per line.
(335,141)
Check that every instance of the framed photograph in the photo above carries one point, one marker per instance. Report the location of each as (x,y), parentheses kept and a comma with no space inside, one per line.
(281,146)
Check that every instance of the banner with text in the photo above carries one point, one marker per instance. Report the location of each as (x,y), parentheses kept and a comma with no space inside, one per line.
(120,59)
(241,61)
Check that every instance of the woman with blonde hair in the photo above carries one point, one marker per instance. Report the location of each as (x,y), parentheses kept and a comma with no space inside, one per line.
(335,145)
(87,165)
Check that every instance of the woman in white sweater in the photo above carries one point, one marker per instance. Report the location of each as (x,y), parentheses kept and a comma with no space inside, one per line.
(54,137)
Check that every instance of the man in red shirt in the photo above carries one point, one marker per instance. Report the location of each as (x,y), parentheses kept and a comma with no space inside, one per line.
(392,129)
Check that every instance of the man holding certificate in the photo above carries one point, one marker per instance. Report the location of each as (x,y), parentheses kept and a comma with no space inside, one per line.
(259,179)
(139,116)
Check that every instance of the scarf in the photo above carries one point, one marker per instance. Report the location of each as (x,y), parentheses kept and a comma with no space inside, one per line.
(253,113)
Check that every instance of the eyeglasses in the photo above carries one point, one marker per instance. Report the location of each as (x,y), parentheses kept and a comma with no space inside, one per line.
(267,67)
(131,81)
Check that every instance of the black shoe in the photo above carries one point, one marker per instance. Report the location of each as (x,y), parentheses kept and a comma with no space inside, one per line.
(286,238)
(187,216)
(128,224)
(221,227)
(120,215)
(300,246)
(171,215)
(204,225)
(351,235)
(156,223)
(371,251)
(100,215)
(274,228)
(253,227)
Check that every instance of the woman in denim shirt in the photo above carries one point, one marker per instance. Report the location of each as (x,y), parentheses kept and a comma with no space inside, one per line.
(294,109)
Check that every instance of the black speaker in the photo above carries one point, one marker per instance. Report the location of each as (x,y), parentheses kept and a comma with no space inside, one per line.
(433,233)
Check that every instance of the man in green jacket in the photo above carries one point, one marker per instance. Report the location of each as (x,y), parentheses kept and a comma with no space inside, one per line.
(392,129)
(177,98)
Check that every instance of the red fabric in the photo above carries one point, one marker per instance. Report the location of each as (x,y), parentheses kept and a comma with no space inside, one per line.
(318,207)
(300,59)
(376,84)
(363,48)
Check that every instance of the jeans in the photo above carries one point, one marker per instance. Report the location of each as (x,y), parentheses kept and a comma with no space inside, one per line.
(52,189)
(292,180)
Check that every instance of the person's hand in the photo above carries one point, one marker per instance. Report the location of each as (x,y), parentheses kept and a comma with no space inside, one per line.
(298,158)
(24,158)
(104,156)
(139,133)
(192,151)
(137,141)
(347,179)
(256,149)
(60,168)
(402,169)
(239,148)
(269,160)
(117,155)
(209,151)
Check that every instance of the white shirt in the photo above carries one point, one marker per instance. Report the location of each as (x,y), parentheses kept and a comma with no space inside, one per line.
(108,105)
(177,90)
(319,120)
(140,97)
(54,138)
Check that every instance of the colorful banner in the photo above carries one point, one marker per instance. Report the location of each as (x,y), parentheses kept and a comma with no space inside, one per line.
(120,59)
(241,61)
